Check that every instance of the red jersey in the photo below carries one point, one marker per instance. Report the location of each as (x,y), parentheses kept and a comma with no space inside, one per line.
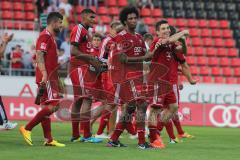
(105,48)
(94,51)
(179,58)
(79,37)
(18,64)
(47,44)
(133,46)
(164,56)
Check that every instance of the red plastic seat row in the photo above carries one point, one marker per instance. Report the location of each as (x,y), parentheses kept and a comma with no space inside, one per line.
(23,25)
(18,15)
(217,42)
(202,23)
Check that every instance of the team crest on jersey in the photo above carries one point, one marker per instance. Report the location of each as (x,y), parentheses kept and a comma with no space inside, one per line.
(43,46)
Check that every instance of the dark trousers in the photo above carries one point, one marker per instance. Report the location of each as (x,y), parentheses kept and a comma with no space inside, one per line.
(3,115)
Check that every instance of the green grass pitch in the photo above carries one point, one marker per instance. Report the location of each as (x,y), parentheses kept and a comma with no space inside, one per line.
(209,144)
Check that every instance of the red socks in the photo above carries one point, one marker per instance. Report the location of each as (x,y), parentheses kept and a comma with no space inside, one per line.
(103,121)
(177,123)
(141,136)
(152,133)
(46,125)
(39,117)
(117,132)
(130,128)
(75,128)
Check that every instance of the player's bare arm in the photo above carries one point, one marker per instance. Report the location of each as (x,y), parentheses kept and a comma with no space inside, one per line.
(41,65)
(86,57)
(187,73)
(184,45)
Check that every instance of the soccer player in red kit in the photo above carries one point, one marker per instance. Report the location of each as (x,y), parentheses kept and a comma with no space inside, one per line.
(106,110)
(46,76)
(179,59)
(82,78)
(163,55)
(128,76)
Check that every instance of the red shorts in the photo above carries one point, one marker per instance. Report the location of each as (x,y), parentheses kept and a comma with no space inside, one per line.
(129,91)
(51,94)
(84,82)
(163,100)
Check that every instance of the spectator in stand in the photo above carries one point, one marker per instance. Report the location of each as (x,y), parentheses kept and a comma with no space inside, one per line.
(141,27)
(66,6)
(52,7)
(66,47)
(100,27)
(64,32)
(41,5)
(16,61)
(27,63)
(88,3)
(144,3)
(62,59)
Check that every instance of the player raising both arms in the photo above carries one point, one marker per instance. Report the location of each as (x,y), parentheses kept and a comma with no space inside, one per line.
(47,79)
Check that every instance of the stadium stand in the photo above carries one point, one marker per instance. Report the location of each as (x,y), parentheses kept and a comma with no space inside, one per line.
(214,29)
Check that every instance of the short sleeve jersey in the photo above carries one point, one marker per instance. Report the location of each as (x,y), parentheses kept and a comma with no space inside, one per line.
(47,44)
(80,37)
(133,46)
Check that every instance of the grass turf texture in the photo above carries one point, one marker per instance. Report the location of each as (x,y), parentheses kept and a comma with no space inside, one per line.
(209,144)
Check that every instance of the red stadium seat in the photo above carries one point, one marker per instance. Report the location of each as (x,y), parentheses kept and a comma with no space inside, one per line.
(145,12)
(30,26)
(180,22)
(204,70)
(238,80)
(7,15)
(113,11)
(123,3)
(205,32)
(236,72)
(149,21)
(219,42)
(8,24)
(213,24)
(199,51)
(194,70)
(232,52)
(226,71)
(157,12)
(213,61)
(5,5)
(192,23)
(222,52)
(79,9)
(216,71)
(203,23)
(235,62)
(210,51)
(196,41)
(194,32)
(19,15)
(231,80)
(29,7)
(93,8)
(30,16)
(171,21)
(112,3)
(230,43)
(216,33)
(224,24)
(207,42)
(18,6)
(227,33)
(219,80)
(102,10)
(151,29)
(224,61)
(18,25)
(106,19)
(190,60)
(202,61)
(190,51)
(207,79)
